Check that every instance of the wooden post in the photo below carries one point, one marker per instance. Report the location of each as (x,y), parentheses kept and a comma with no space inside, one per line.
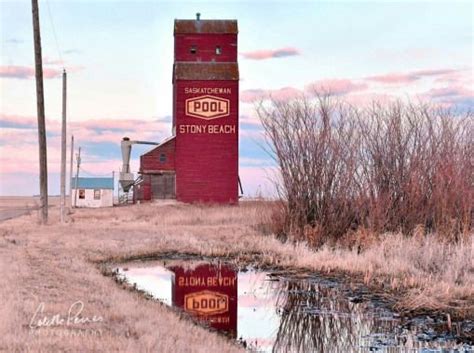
(43,177)
(63,152)
(77,176)
(113,178)
(70,169)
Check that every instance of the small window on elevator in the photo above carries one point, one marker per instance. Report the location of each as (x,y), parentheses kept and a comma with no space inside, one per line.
(162,158)
(193,49)
(218,50)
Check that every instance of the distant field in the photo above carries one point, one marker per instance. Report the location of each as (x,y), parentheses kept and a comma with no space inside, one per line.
(14,206)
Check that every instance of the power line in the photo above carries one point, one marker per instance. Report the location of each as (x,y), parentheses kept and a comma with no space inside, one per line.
(54,34)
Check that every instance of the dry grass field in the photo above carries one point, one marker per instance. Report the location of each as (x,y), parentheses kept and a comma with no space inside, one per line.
(59,265)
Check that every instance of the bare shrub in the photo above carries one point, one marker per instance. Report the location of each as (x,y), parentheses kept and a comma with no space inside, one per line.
(313,145)
(394,167)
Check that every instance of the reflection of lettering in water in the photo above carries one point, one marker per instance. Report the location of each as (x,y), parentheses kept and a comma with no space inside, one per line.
(193,281)
(206,303)
(208,292)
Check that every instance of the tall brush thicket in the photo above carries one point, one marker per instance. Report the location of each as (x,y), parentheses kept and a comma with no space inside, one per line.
(391,167)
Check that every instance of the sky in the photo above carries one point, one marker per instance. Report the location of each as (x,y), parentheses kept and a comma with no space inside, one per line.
(119,57)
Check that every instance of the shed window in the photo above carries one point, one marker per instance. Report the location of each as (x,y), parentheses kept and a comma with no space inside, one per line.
(162,158)
(193,49)
(96,194)
(82,194)
(218,50)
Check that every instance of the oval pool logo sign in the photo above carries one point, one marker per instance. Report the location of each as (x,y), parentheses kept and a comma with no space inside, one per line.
(207,107)
(206,303)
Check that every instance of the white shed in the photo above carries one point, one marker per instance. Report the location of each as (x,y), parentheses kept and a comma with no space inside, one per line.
(92,192)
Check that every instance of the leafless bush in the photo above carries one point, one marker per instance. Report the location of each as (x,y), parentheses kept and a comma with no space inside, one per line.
(395,167)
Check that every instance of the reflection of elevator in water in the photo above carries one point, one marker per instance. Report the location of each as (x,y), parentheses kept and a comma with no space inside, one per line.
(209,293)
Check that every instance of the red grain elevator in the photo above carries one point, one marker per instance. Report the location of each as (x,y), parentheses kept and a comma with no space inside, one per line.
(206,110)
(204,148)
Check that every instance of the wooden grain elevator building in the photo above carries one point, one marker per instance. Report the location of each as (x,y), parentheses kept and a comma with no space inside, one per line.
(199,162)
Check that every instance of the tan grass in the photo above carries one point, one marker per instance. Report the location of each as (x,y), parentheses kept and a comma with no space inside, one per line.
(60,264)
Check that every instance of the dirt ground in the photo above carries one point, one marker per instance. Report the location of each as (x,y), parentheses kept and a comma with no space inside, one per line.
(50,272)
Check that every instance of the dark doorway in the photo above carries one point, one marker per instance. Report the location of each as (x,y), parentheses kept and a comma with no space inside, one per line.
(163,186)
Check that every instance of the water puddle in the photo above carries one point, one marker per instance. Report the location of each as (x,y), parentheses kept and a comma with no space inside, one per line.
(283,312)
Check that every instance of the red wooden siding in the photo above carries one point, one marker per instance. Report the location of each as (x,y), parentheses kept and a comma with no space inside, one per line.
(205,45)
(151,161)
(142,190)
(206,163)
(206,149)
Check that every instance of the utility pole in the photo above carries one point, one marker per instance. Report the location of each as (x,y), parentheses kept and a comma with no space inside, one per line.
(78,158)
(63,152)
(43,166)
(70,168)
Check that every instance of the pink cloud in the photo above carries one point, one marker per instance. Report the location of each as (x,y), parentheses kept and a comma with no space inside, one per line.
(394,78)
(412,76)
(285,93)
(114,124)
(27,72)
(21,124)
(19,121)
(451,96)
(19,151)
(281,94)
(449,92)
(335,86)
(271,53)
(93,130)
(460,77)
(252,95)
(19,72)
(22,157)
(436,72)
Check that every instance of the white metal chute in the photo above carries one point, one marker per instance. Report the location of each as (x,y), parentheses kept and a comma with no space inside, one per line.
(126,177)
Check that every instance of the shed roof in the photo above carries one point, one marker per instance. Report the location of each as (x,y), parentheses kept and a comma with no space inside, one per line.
(93,183)
(162,143)
(206,71)
(205,26)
